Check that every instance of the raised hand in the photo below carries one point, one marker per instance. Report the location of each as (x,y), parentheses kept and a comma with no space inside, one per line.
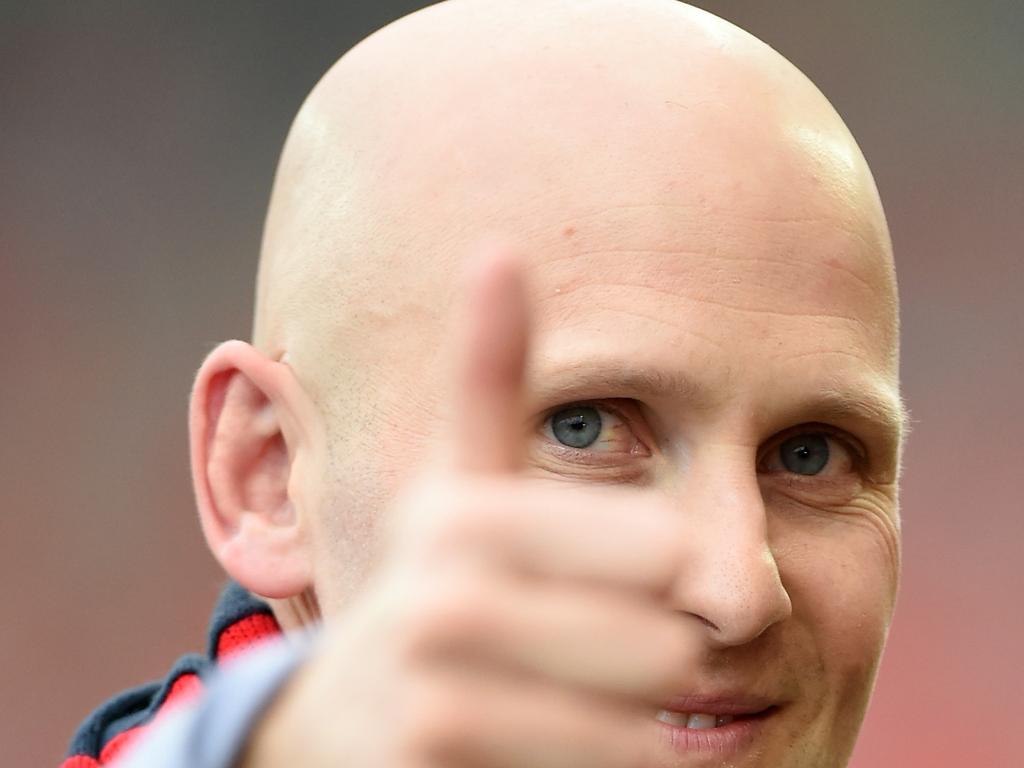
(512,623)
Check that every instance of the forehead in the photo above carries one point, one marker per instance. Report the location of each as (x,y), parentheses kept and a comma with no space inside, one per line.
(788,279)
(760,311)
(744,257)
(758,210)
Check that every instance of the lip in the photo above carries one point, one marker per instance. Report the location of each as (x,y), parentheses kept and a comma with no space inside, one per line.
(720,704)
(753,715)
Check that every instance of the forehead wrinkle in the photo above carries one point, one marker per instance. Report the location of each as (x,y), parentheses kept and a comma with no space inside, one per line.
(604,283)
(704,250)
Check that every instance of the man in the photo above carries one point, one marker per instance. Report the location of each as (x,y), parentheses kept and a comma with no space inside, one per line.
(652,518)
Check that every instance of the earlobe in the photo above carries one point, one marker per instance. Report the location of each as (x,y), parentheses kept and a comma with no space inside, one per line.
(246,432)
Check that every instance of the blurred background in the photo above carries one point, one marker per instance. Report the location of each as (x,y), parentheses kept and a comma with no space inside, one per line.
(137,146)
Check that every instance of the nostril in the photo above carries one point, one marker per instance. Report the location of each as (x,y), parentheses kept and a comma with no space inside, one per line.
(705,621)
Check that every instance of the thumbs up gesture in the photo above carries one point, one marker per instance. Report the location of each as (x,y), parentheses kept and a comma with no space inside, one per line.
(512,623)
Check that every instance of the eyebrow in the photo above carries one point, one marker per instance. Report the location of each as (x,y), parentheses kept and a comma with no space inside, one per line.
(876,406)
(590,379)
(888,412)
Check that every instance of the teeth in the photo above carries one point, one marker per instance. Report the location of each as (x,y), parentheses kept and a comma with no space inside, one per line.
(673,718)
(700,722)
(696,721)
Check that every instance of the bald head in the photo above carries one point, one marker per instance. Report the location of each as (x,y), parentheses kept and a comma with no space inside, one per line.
(538,118)
(679,192)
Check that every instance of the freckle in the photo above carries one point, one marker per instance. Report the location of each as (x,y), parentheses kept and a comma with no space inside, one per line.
(569,231)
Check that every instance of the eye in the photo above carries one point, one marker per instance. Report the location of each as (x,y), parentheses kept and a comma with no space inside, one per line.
(577,427)
(805,454)
(810,454)
(591,428)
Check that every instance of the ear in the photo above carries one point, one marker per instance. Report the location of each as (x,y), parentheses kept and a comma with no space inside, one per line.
(249,422)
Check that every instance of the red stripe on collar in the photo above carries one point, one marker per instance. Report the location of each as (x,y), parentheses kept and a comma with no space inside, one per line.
(245,633)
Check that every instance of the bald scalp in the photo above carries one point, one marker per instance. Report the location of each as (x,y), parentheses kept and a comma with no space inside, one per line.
(534,119)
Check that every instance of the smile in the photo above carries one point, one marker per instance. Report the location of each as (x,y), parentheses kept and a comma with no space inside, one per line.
(724,729)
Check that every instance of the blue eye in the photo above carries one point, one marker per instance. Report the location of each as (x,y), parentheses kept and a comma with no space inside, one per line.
(576,427)
(805,454)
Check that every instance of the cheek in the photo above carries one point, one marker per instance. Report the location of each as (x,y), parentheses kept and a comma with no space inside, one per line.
(373,450)
(842,580)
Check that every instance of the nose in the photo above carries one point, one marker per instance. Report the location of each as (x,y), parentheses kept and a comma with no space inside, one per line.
(727,577)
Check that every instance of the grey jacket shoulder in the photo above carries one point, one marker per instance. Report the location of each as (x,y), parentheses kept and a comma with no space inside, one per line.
(212,731)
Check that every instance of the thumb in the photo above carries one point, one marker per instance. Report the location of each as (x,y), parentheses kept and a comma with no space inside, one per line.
(492,345)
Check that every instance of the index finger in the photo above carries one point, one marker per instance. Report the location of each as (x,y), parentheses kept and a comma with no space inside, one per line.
(493,339)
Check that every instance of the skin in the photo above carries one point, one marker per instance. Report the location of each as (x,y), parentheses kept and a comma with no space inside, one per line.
(659,217)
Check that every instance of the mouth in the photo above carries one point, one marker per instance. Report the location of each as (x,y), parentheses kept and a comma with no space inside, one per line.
(721,727)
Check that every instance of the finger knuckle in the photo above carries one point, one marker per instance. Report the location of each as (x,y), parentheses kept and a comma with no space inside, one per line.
(447,616)
(453,527)
(437,723)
